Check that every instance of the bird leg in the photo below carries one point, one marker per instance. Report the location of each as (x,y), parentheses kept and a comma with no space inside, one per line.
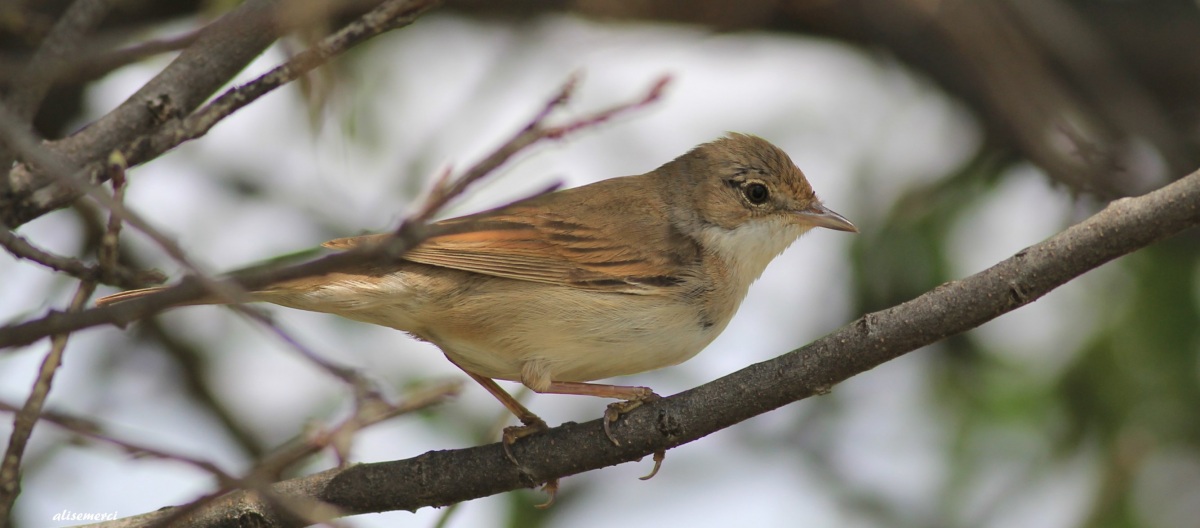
(632,398)
(531,424)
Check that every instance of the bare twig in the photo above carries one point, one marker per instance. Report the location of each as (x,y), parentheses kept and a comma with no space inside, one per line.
(93,430)
(267,471)
(27,417)
(89,428)
(193,364)
(537,130)
(100,56)
(23,422)
(388,15)
(108,271)
(409,234)
(28,147)
(120,276)
(367,412)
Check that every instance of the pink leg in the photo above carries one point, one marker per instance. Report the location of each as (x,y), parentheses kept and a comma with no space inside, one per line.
(617,392)
(531,424)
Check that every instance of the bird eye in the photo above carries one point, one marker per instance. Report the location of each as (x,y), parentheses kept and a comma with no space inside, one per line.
(756,193)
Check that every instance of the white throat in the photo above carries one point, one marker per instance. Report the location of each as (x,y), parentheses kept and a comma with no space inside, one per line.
(747,249)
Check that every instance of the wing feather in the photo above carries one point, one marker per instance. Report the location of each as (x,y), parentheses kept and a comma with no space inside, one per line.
(525,242)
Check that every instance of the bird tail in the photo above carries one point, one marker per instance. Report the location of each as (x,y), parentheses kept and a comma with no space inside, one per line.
(137,294)
(125,296)
(260,295)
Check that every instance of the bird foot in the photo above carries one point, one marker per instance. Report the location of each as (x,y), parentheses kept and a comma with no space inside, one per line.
(615,410)
(531,425)
(551,489)
(658,459)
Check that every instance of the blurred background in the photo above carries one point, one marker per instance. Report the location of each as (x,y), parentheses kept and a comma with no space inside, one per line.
(952,132)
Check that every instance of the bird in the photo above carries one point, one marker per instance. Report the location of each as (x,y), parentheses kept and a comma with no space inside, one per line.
(618,277)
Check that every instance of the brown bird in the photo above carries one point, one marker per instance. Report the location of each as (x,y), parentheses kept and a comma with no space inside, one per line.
(618,277)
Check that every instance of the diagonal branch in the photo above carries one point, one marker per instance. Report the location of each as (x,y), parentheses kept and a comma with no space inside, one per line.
(440,478)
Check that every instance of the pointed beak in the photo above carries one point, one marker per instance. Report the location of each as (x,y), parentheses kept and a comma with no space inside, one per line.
(817,215)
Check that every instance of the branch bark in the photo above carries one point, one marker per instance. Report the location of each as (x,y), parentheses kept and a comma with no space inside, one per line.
(440,478)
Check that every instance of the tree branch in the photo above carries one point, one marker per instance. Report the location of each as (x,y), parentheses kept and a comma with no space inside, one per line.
(439,478)
(121,276)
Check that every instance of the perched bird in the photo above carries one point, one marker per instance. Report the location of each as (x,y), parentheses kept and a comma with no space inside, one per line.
(618,277)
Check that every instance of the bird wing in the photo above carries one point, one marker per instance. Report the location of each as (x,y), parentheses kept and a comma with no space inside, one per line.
(525,243)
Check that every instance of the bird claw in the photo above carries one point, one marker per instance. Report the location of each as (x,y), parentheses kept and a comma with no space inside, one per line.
(658,460)
(530,426)
(615,410)
(551,489)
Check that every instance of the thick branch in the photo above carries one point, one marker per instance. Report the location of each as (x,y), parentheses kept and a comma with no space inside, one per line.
(439,478)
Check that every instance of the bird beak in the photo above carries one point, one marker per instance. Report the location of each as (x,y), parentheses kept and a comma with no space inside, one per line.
(817,215)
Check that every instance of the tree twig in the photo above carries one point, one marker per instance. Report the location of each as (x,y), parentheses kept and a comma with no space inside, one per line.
(267,469)
(258,479)
(120,276)
(26,418)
